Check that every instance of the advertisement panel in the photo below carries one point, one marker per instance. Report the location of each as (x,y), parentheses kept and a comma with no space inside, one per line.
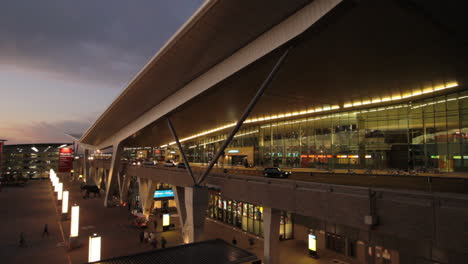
(65,160)
(158,194)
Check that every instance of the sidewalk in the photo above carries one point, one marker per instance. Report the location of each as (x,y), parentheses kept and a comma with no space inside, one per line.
(291,251)
(33,206)
(119,236)
(27,209)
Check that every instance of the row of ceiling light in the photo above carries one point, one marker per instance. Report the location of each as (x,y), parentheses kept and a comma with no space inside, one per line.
(324,109)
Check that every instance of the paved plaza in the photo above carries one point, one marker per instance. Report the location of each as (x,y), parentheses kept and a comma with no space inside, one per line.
(27,209)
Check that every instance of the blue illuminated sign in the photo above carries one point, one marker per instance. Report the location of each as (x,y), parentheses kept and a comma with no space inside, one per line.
(233,151)
(163,194)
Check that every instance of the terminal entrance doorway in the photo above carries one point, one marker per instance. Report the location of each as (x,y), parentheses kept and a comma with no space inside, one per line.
(238,159)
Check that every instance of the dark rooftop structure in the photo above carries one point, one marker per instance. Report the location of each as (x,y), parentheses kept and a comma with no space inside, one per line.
(207,252)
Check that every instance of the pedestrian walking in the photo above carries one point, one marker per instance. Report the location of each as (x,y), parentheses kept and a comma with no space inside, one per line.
(234,241)
(142,236)
(163,242)
(22,241)
(45,231)
(251,241)
(154,241)
(155,223)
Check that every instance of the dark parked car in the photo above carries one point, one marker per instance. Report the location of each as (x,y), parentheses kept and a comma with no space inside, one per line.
(275,173)
(181,165)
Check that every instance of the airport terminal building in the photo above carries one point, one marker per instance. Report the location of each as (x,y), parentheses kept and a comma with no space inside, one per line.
(366,102)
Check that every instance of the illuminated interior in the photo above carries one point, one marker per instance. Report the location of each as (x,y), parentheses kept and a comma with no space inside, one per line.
(323,109)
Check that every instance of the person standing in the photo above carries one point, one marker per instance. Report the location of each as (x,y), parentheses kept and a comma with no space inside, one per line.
(142,236)
(22,241)
(154,241)
(45,231)
(163,242)
(234,241)
(155,223)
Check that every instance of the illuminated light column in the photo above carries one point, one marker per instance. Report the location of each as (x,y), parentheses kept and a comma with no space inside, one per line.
(56,185)
(313,246)
(59,192)
(166,221)
(94,253)
(65,205)
(74,226)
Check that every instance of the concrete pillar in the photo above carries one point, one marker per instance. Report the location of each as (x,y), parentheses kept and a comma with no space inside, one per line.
(196,203)
(124,190)
(113,172)
(179,197)
(85,165)
(120,181)
(271,227)
(98,177)
(146,191)
(191,203)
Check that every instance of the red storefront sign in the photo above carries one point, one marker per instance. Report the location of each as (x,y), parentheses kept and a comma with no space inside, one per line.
(65,160)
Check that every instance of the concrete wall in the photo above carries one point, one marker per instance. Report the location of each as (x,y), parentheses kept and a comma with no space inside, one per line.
(437,221)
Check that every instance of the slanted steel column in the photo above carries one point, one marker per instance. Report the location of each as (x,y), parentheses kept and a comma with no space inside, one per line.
(187,165)
(113,171)
(246,113)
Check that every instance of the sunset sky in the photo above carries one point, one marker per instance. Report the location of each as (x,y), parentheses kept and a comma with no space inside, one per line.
(62,62)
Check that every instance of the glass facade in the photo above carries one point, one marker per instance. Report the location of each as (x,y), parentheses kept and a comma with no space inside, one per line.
(424,135)
(248,217)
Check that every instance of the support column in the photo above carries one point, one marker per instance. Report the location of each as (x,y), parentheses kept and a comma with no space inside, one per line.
(85,165)
(146,191)
(120,181)
(271,227)
(179,197)
(113,171)
(124,191)
(196,203)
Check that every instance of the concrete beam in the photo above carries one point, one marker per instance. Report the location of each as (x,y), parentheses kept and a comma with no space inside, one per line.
(262,45)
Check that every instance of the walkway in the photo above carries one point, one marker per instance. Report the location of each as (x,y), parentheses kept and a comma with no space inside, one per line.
(27,209)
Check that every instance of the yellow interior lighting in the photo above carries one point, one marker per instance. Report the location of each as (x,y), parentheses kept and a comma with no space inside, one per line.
(397,97)
(326,108)
(255,120)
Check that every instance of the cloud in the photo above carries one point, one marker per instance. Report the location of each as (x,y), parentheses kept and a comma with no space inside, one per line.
(43,132)
(82,51)
(106,40)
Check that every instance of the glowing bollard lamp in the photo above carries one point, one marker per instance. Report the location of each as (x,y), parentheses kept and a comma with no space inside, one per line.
(74,226)
(94,253)
(313,246)
(166,222)
(59,193)
(65,205)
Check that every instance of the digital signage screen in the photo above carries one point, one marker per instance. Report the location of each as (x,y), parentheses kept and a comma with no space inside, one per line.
(158,194)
